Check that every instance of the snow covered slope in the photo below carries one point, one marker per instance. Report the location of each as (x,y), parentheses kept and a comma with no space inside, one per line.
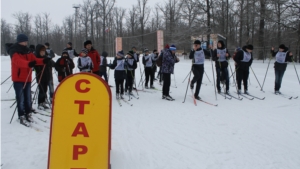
(159,134)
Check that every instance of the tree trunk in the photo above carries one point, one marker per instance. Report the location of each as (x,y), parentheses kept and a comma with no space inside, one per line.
(261,31)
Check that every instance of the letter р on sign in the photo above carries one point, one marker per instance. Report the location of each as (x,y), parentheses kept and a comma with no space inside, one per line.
(80,136)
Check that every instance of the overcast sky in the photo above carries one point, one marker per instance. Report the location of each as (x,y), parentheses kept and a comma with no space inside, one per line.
(58,9)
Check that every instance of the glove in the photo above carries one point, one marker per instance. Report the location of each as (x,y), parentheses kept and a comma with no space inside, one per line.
(46,60)
(32,63)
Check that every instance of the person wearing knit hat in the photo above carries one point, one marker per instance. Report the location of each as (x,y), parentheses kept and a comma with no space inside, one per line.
(131,65)
(85,63)
(198,58)
(167,68)
(120,74)
(282,56)
(148,63)
(72,53)
(159,62)
(94,55)
(103,65)
(243,61)
(64,66)
(220,56)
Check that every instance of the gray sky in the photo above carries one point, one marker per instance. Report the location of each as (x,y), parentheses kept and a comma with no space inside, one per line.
(58,9)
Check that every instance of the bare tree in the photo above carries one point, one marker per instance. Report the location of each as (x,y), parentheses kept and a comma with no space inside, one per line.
(23,24)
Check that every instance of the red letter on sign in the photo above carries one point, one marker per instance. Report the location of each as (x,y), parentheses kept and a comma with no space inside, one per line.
(81,105)
(79,149)
(83,130)
(78,83)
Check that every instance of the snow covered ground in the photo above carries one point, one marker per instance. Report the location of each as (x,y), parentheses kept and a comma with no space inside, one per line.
(159,134)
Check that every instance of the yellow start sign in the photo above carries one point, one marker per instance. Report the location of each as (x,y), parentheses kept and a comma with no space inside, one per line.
(80,136)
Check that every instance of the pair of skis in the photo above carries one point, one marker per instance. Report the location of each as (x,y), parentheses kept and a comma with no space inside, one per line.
(201,100)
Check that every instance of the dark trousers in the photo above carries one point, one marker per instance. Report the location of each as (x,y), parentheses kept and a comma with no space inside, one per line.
(51,88)
(198,71)
(149,74)
(105,75)
(242,75)
(23,97)
(160,75)
(119,86)
(97,73)
(224,76)
(278,78)
(167,84)
(129,80)
(43,86)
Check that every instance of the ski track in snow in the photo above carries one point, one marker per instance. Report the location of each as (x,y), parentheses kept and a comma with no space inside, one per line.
(160,134)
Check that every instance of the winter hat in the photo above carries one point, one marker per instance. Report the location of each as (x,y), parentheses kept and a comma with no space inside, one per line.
(87,43)
(22,38)
(133,47)
(84,50)
(104,54)
(197,42)
(154,50)
(238,48)
(64,52)
(146,50)
(47,44)
(173,48)
(69,43)
(167,46)
(250,47)
(120,53)
(222,43)
(130,53)
(282,46)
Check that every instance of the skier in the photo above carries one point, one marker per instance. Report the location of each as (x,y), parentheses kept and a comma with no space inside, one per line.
(64,66)
(148,63)
(85,63)
(282,56)
(168,61)
(21,72)
(103,65)
(49,50)
(159,63)
(50,54)
(136,55)
(131,65)
(72,53)
(243,60)
(198,56)
(120,74)
(154,67)
(94,55)
(220,56)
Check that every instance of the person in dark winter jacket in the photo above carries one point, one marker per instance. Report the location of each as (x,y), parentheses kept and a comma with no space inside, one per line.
(154,55)
(198,56)
(282,56)
(94,55)
(43,76)
(72,53)
(120,74)
(32,48)
(64,66)
(22,62)
(49,50)
(148,63)
(131,65)
(220,56)
(159,59)
(243,60)
(167,68)
(103,65)
(85,63)
(136,55)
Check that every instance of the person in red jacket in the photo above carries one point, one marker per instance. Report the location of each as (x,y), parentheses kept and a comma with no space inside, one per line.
(94,55)
(22,61)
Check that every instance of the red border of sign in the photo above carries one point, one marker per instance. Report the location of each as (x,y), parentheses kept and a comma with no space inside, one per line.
(110,103)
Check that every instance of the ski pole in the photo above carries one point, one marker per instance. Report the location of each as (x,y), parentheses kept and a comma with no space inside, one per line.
(296,71)
(10,87)
(108,72)
(187,86)
(256,77)
(266,74)
(207,77)
(186,77)
(5,80)
(141,78)
(175,80)
(212,66)
(236,87)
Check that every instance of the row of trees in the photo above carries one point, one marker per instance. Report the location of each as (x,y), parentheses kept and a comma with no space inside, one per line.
(263,23)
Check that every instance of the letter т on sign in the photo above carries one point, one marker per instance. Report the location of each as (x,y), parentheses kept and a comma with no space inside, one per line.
(80,136)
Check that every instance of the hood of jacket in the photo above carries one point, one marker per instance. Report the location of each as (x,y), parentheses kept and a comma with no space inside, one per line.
(222,43)
(38,49)
(16,48)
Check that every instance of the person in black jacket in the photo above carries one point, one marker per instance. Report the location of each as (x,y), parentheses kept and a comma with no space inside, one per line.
(43,74)
(243,60)
(220,56)
(103,66)
(282,56)
(72,53)
(198,56)
(49,50)
(131,65)
(64,66)
(120,73)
